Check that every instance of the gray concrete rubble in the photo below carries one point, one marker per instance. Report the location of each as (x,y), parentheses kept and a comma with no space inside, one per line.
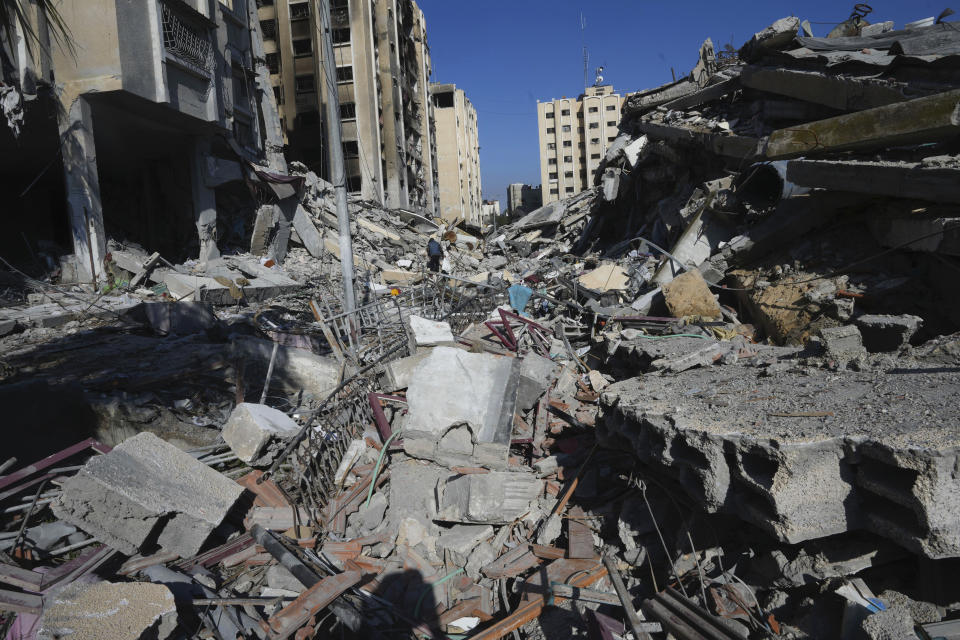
(428,333)
(803,453)
(487,498)
(255,432)
(461,408)
(110,611)
(147,494)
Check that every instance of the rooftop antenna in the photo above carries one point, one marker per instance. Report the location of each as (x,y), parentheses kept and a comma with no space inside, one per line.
(586,54)
(599,79)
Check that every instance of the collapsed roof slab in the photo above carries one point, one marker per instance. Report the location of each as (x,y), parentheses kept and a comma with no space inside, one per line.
(804,453)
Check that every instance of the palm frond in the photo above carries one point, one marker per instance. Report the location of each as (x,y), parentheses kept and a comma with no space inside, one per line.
(13,13)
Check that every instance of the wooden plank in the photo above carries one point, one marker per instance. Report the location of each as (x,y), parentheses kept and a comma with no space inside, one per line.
(23,578)
(579,535)
(20,602)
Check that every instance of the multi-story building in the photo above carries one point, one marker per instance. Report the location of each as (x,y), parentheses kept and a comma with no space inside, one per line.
(574,136)
(523,198)
(380,71)
(489,211)
(458,155)
(149,115)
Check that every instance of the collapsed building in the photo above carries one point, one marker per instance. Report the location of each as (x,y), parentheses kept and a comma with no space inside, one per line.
(709,397)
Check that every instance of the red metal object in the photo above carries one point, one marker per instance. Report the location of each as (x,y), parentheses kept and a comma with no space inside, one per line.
(298,613)
(383,425)
(509,339)
(49,461)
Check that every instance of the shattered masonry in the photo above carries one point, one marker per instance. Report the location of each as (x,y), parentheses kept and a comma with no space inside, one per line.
(712,396)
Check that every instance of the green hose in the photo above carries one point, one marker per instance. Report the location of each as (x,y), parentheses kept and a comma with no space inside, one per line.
(376,469)
(416,610)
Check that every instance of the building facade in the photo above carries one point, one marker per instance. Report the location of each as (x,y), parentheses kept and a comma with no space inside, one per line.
(381,75)
(489,211)
(458,155)
(149,115)
(574,136)
(523,198)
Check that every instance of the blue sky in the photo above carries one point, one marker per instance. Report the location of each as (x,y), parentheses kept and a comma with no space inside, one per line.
(508,54)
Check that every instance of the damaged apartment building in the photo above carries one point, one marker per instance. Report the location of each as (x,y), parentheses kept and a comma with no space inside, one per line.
(383,66)
(132,122)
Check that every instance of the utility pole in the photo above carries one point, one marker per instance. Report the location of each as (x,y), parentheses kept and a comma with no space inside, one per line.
(338,171)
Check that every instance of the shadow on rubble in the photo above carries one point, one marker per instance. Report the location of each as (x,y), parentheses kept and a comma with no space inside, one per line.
(413,607)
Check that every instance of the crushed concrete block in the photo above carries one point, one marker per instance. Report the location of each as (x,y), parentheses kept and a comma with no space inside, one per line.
(461,407)
(597,381)
(894,623)
(411,532)
(109,611)
(887,333)
(371,516)
(398,373)
(279,577)
(256,432)
(463,538)
(536,374)
(842,343)
(479,558)
(179,318)
(427,333)
(295,369)
(146,493)
(689,295)
(488,498)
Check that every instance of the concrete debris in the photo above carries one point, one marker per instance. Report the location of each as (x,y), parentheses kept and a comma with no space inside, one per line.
(255,432)
(146,494)
(713,390)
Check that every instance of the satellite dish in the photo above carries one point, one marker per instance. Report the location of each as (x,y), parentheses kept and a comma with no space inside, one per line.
(599,79)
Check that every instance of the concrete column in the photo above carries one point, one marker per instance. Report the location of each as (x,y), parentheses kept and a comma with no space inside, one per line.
(83,190)
(204,201)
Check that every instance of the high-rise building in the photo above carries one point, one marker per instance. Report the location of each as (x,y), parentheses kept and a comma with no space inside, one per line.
(523,198)
(574,136)
(380,71)
(458,155)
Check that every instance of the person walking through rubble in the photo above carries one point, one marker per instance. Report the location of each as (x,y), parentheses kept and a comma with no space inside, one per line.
(434,255)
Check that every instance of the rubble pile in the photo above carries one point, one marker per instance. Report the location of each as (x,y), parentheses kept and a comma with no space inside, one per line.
(710,397)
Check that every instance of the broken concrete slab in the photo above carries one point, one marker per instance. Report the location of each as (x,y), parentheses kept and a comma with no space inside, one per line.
(110,611)
(428,333)
(803,453)
(463,538)
(145,494)
(842,343)
(256,432)
(497,497)
(689,295)
(536,374)
(397,374)
(294,369)
(460,408)
(400,276)
(887,332)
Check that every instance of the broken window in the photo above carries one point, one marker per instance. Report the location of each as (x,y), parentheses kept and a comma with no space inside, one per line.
(551,130)
(611,123)
(299,11)
(569,189)
(553,175)
(566,128)
(340,36)
(302,47)
(551,161)
(567,143)
(611,107)
(594,156)
(344,74)
(594,140)
(554,192)
(351,149)
(551,145)
(549,114)
(304,84)
(594,125)
(568,158)
(565,112)
(354,184)
(187,42)
(273,62)
(594,109)
(268,28)
(348,110)
(568,174)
